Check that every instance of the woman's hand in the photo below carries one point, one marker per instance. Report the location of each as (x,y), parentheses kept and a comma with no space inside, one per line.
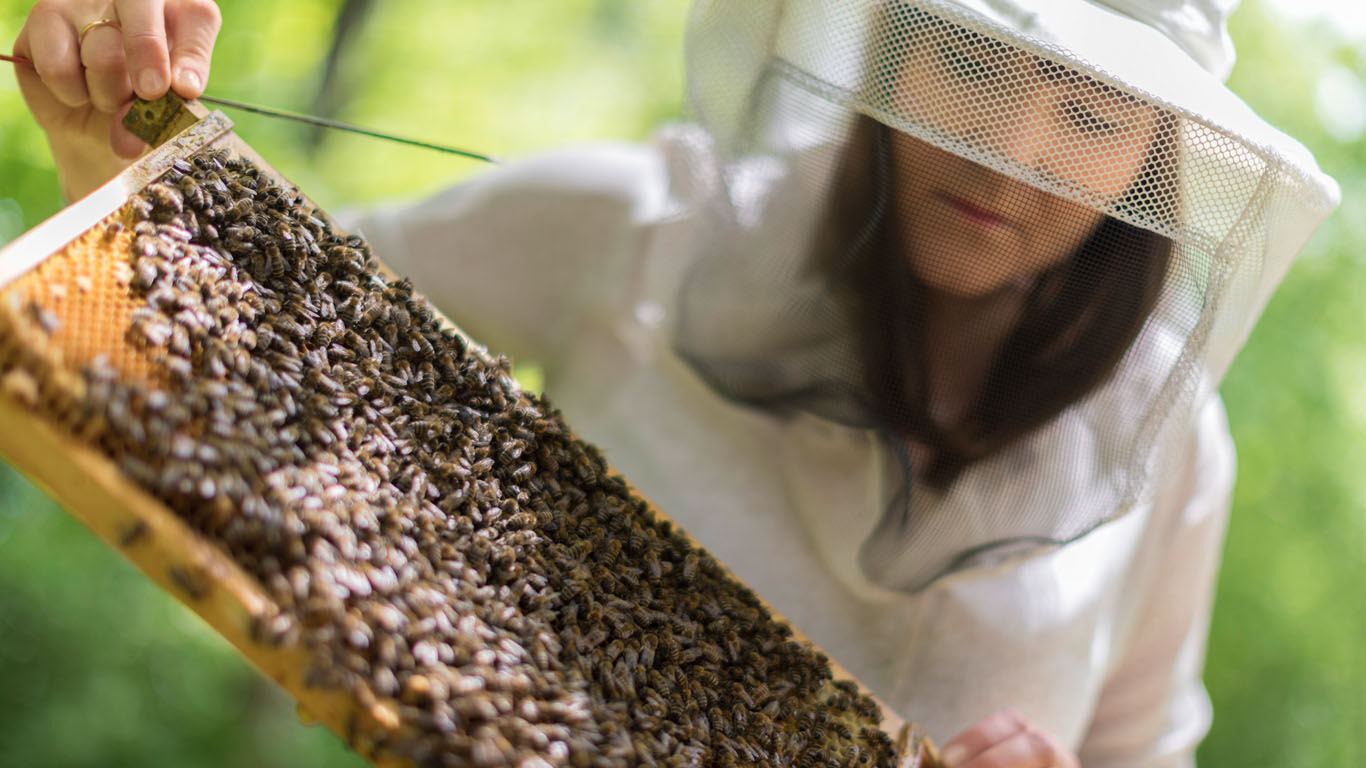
(1005,739)
(82,84)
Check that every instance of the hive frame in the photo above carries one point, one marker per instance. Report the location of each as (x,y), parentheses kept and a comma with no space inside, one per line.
(195,571)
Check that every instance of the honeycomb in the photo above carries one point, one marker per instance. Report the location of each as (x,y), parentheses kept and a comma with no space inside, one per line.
(304,451)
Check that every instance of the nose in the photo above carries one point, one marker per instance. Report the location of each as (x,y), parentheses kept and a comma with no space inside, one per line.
(1028,134)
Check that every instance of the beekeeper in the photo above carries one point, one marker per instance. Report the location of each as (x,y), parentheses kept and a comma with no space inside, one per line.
(917,326)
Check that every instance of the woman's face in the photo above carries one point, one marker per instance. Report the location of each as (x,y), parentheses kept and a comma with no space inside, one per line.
(971,231)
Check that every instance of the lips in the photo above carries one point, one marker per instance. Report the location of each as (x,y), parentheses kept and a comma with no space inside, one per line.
(974,213)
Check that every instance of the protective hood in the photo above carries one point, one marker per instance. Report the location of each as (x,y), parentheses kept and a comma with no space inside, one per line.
(1019,240)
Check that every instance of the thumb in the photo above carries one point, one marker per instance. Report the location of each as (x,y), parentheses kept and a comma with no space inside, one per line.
(191,28)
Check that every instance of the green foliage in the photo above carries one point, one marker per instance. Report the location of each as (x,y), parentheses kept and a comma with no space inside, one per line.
(1287,661)
(99,668)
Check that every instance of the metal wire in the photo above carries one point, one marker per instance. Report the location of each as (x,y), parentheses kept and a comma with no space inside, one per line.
(326,123)
(319,121)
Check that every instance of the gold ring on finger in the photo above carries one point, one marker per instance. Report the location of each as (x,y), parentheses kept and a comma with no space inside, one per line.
(80,38)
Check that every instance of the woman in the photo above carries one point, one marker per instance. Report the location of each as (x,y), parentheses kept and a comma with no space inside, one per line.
(917,329)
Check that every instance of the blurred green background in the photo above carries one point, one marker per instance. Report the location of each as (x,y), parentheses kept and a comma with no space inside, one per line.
(99,668)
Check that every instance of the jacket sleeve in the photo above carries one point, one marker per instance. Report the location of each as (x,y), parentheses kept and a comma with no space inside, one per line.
(513,255)
(1153,709)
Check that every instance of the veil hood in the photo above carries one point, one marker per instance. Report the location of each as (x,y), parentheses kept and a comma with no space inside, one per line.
(869,155)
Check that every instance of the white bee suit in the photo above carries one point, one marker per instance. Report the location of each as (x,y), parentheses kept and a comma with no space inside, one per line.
(570,260)
(744,315)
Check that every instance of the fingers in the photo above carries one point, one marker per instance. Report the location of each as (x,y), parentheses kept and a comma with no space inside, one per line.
(1005,739)
(45,106)
(144,43)
(156,44)
(992,729)
(49,40)
(192,26)
(106,75)
(1026,749)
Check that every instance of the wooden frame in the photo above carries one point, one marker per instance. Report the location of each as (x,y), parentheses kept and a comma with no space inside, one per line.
(197,572)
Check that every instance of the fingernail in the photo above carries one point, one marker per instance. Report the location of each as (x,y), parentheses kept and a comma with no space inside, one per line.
(187,81)
(149,83)
(953,755)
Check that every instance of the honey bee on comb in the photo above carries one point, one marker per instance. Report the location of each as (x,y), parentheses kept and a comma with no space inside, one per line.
(438,543)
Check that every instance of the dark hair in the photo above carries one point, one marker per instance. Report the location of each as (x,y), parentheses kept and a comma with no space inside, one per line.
(1077,321)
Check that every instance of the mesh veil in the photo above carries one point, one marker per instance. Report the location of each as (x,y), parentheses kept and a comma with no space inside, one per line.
(1021,268)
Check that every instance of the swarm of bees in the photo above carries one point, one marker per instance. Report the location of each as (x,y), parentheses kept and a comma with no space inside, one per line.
(439,541)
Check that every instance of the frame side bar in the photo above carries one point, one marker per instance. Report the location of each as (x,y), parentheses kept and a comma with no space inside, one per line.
(33,247)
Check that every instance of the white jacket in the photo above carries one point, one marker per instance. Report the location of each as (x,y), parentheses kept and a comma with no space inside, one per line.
(570,260)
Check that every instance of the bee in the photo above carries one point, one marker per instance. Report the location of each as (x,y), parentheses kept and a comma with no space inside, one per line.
(208,232)
(350,309)
(368,313)
(511,450)
(239,233)
(343,254)
(688,573)
(277,630)
(275,262)
(180,341)
(171,233)
(290,329)
(523,473)
(215,212)
(867,709)
(242,188)
(166,196)
(144,229)
(193,194)
(192,583)
(846,687)
(611,553)
(213,182)
(141,207)
(670,651)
